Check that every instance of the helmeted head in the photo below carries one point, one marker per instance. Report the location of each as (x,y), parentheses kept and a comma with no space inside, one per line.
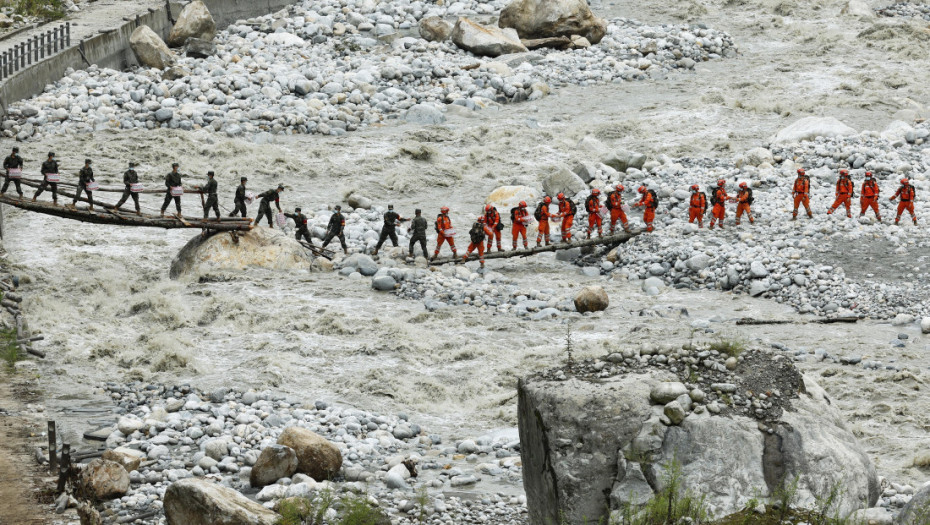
(641,189)
(444,209)
(694,188)
(417,211)
(561,196)
(619,187)
(522,204)
(743,185)
(51,154)
(868,174)
(547,199)
(132,164)
(801,171)
(297,209)
(905,182)
(338,208)
(721,182)
(243,179)
(595,191)
(280,187)
(390,206)
(488,207)
(844,173)
(15,150)
(481,219)
(210,174)
(174,165)
(87,162)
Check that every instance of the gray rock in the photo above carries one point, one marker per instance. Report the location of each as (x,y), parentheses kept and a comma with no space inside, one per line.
(196,501)
(384,283)
(653,282)
(758,288)
(275,462)
(568,255)
(622,160)
(164,114)
(916,511)
(757,270)
(395,481)
(534,19)
(199,48)
(485,41)
(674,412)
(149,49)
(698,262)
(564,180)
(216,448)
(434,29)
(591,299)
(194,21)
(663,393)
(426,114)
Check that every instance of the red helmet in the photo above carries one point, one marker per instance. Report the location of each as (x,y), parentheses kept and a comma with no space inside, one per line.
(488,207)
(743,185)
(844,173)
(547,199)
(905,182)
(641,189)
(523,204)
(694,187)
(444,209)
(801,171)
(721,182)
(595,191)
(868,174)
(561,196)
(481,219)
(619,187)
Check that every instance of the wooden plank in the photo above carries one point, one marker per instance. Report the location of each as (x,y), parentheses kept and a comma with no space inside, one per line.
(617,238)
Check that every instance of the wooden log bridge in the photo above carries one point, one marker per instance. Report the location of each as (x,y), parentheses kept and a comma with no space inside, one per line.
(105,213)
(617,238)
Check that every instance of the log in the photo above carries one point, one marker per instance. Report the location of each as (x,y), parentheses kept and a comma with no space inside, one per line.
(107,189)
(65,466)
(31,339)
(831,320)
(826,320)
(554,42)
(750,321)
(318,251)
(52,448)
(617,238)
(107,217)
(9,304)
(13,297)
(35,351)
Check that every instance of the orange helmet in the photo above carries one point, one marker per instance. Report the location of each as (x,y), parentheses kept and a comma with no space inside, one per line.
(561,196)
(444,209)
(743,185)
(595,191)
(905,182)
(481,219)
(523,204)
(868,174)
(547,199)
(488,207)
(694,187)
(641,189)
(844,173)
(801,171)
(619,187)
(721,182)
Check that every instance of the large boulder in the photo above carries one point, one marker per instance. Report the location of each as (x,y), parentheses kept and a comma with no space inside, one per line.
(809,128)
(434,29)
(562,180)
(274,462)
(485,41)
(553,18)
(196,501)
(194,21)
(316,457)
(592,446)
(591,299)
(150,49)
(199,48)
(917,510)
(129,458)
(506,197)
(261,247)
(103,479)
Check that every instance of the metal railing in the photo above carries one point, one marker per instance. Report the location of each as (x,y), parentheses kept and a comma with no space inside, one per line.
(36,48)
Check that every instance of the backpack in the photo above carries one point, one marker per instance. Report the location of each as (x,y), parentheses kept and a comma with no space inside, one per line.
(538,213)
(572,206)
(655,199)
(513,214)
(750,199)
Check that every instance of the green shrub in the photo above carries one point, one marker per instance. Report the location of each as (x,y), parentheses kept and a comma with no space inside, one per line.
(48,9)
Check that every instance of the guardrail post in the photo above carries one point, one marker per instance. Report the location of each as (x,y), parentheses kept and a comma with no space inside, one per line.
(28,52)
(20,58)
(68,34)
(35,48)
(48,42)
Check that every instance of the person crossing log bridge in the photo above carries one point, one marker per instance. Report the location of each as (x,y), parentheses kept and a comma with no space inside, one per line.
(526,252)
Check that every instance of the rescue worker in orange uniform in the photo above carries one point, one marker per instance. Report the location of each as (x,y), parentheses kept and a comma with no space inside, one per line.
(744,200)
(907,194)
(719,202)
(444,232)
(868,196)
(802,190)
(649,203)
(593,206)
(479,230)
(615,205)
(697,206)
(492,220)
(519,217)
(844,193)
(567,211)
(542,216)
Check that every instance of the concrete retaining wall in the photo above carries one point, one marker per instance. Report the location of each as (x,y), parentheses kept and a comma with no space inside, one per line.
(112,49)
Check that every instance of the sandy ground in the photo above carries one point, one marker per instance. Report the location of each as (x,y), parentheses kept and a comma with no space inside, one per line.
(102,296)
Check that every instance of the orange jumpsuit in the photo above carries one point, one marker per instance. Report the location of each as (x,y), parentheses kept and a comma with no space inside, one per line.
(907,195)
(520,216)
(491,220)
(565,211)
(443,223)
(742,205)
(869,198)
(802,188)
(649,211)
(719,211)
(697,207)
(844,193)
(615,203)
(543,231)
(593,206)
(478,232)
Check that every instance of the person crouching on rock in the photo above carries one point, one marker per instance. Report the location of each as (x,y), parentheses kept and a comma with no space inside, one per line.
(478,232)
(264,206)
(336,228)
(444,232)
